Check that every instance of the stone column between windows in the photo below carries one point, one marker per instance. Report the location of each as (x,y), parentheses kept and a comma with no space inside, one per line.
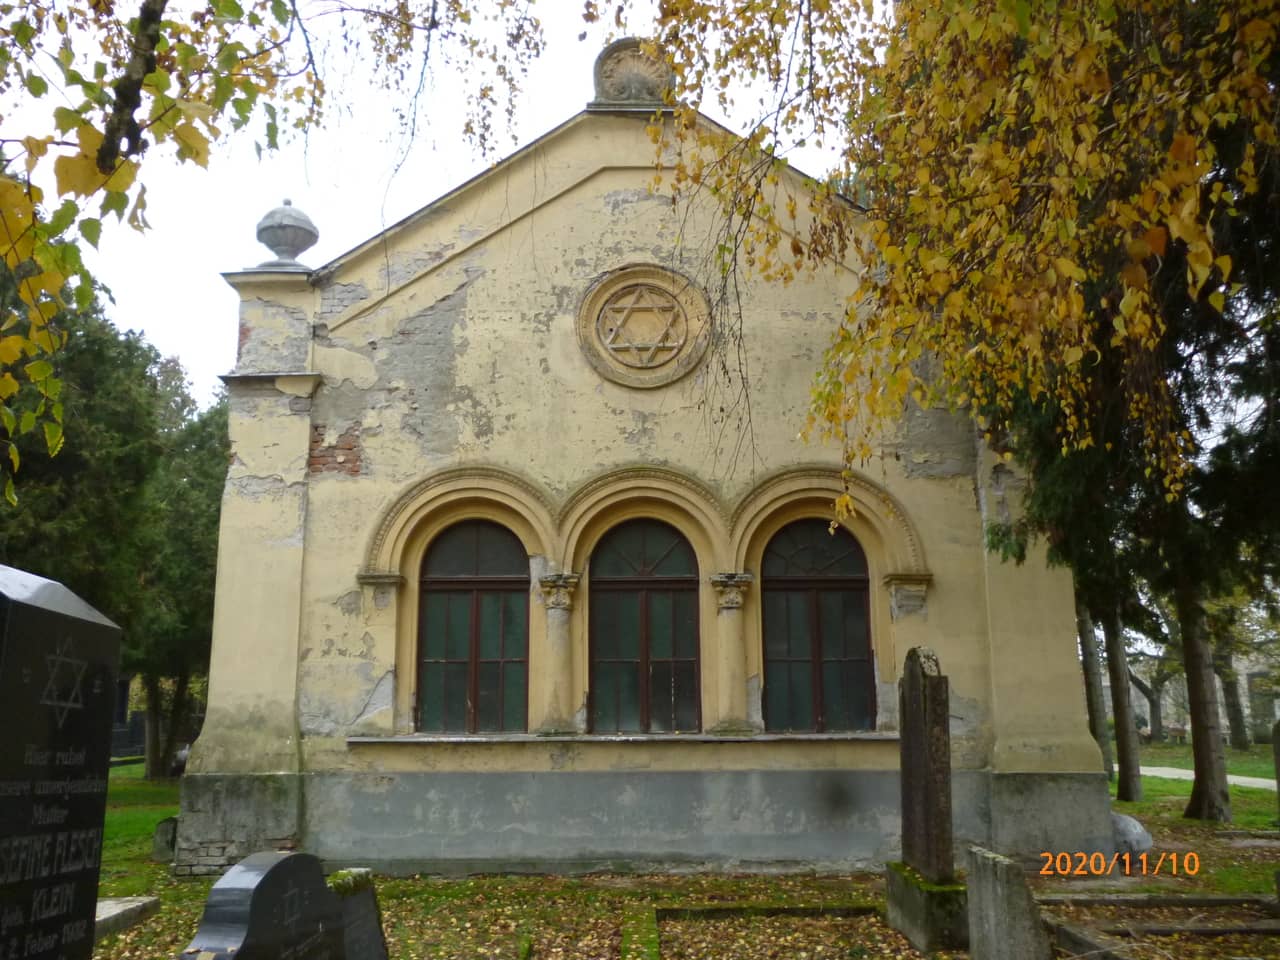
(731,651)
(557,597)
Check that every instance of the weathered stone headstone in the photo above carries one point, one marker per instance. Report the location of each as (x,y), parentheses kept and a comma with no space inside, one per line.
(271,906)
(1004,919)
(164,839)
(362,935)
(924,715)
(925,902)
(58,663)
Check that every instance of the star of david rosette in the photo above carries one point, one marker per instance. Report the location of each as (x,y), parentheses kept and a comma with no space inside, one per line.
(644,326)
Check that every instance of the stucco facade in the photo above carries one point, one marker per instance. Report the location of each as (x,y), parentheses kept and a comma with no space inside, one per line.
(459,367)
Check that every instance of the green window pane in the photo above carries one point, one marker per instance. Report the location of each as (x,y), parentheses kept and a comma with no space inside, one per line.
(627,625)
(835,696)
(686,627)
(857,642)
(860,682)
(685,695)
(777,708)
(604,625)
(490,626)
(455,697)
(515,624)
(489,702)
(452,553)
(434,608)
(514,695)
(458,627)
(799,627)
(661,699)
(431,698)
(831,623)
(628,676)
(661,622)
(500,552)
(800,697)
(775,624)
(604,698)
(673,557)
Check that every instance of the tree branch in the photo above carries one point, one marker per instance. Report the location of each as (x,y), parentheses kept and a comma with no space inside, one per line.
(122,126)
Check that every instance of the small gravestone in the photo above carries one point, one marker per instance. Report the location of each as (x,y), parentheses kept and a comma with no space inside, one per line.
(58,662)
(270,906)
(925,903)
(278,906)
(164,840)
(1004,919)
(362,935)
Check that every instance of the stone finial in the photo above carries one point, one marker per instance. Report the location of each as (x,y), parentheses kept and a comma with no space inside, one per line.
(626,77)
(286,231)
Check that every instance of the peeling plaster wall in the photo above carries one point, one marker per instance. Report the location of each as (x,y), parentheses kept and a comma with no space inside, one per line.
(454,343)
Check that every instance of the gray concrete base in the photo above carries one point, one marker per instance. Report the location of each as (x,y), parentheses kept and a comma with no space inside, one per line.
(114,914)
(1033,813)
(933,916)
(572,821)
(226,817)
(823,819)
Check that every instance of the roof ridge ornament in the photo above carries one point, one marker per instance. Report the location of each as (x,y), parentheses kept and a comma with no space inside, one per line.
(286,231)
(627,78)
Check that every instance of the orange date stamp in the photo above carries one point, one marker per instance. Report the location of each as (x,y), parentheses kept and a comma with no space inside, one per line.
(1080,864)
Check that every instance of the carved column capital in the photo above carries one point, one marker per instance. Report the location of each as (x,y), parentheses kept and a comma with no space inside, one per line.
(907,594)
(557,590)
(731,589)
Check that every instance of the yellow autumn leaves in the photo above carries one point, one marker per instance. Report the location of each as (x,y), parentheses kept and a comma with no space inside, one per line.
(1022,172)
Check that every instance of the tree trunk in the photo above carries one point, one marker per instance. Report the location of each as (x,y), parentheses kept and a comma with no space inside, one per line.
(1209,797)
(177,720)
(1129,783)
(1152,696)
(1157,708)
(1093,687)
(1226,672)
(154,697)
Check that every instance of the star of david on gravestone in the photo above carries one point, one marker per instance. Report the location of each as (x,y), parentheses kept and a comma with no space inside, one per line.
(64,672)
(633,303)
(292,908)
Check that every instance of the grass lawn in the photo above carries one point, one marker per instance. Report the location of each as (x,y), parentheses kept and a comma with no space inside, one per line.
(1227,864)
(1257,761)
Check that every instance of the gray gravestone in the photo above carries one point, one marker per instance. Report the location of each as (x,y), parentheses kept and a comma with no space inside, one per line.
(924,716)
(271,906)
(279,906)
(362,935)
(1004,919)
(58,663)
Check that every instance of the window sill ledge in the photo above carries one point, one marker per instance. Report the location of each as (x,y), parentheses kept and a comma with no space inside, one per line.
(483,738)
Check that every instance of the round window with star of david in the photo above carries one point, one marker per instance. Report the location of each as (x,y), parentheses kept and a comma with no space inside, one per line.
(643,326)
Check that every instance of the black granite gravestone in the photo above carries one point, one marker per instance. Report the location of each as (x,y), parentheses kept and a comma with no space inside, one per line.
(58,663)
(271,906)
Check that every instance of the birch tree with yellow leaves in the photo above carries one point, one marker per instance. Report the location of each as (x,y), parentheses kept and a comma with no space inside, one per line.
(1048,200)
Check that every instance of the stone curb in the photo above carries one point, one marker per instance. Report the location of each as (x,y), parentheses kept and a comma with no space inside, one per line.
(115,914)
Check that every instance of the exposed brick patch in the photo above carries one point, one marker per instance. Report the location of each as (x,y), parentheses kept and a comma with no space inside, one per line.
(246,331)
(342,456)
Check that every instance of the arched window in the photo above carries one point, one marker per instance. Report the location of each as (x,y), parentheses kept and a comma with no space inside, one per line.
(473,634)
(644,631)
(817,639)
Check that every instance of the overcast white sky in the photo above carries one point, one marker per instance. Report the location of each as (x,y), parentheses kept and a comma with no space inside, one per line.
(166,282)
